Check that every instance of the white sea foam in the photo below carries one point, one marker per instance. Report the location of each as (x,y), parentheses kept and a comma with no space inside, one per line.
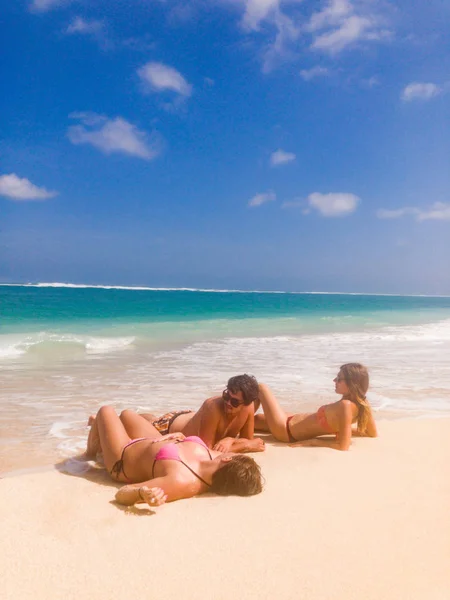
(10,351)
(410,375)
(59,344)
(58,430)
(221,291)
(75,466)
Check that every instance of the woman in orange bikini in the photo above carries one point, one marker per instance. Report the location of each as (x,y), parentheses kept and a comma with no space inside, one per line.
(352,383)
(159,469)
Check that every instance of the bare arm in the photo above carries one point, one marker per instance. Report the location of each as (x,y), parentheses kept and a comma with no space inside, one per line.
(241,445)
(209,422)
(371,429)
(247,442)
(344,436)
(155,492)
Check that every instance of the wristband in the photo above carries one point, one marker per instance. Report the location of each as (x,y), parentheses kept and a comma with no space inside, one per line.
(140,495)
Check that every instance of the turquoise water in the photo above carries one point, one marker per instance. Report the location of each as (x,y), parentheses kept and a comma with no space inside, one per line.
(66,350)
(26,308)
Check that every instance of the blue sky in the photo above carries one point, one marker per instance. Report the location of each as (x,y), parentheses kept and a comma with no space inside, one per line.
(251,144)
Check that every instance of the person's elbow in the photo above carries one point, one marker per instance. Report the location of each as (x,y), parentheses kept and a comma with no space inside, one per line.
(371,431)
(343,446)
(343,442)
(253,445)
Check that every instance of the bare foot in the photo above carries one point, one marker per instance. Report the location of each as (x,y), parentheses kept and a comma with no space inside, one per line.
(91,420)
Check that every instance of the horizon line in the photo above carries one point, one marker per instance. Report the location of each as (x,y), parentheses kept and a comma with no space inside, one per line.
(211,290)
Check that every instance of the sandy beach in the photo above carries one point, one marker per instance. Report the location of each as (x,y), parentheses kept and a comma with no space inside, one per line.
(371,523)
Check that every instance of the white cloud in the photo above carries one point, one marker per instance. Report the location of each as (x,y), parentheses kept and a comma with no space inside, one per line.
(257,11)
(93,28)
(160,78)
(439,211)
(284,26)
(420,91)
(287,33)
(343,23)
(80,25)
(112,135)
(383,213)
(262,199)
(351,30)
(18,188)
(334,204)
(266,17)
(46,5)
(314,72)
(280,157)
(332,14)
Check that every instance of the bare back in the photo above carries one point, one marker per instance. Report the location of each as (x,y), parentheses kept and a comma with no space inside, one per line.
(309,425)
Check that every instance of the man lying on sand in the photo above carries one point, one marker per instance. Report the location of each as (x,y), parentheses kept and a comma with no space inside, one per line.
(225,423)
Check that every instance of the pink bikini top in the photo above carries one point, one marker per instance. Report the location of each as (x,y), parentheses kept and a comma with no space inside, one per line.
(170,452)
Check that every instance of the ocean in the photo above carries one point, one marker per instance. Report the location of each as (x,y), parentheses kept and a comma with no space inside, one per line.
(65,350)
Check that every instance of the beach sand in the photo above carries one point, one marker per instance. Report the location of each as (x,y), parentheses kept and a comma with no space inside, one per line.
(371,523)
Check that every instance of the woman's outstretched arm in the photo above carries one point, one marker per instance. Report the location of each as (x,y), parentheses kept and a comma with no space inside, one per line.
(155,492)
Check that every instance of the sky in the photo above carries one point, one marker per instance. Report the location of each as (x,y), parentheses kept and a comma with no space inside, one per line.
(290,145)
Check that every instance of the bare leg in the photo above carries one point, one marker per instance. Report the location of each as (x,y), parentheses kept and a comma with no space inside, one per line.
(138,426)
(261,423)
(148,417)
(275,416)
(93,442)
(112,435)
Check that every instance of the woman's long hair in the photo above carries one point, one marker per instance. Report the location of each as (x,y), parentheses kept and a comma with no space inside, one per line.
(356,377)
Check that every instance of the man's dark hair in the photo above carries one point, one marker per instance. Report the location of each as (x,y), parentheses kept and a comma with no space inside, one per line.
(246,384)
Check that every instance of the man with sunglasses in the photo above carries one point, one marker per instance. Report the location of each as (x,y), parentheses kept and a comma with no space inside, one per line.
(224,422)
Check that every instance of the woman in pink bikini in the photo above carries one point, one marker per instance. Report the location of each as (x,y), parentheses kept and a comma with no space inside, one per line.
(352,383)
(159,469)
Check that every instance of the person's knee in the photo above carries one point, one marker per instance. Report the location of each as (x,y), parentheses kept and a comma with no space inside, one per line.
(105,410)
(127,412)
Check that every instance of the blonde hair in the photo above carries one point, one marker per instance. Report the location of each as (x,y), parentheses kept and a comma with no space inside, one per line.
(356,377)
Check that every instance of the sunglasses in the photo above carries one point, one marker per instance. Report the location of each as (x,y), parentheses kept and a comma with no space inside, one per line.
(235,402)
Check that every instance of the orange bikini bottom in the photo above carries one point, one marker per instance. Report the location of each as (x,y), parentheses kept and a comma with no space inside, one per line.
(321,419)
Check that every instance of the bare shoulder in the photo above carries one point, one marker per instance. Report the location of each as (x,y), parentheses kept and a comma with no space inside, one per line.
(248,410)
(343,405)
(347,407)
(335,406)
(211,405)
(183,484)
